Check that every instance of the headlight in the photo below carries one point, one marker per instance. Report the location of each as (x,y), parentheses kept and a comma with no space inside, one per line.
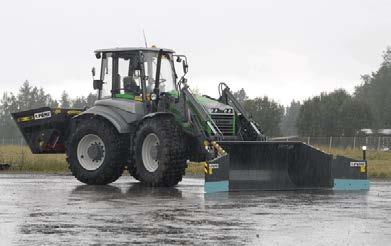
(214,110)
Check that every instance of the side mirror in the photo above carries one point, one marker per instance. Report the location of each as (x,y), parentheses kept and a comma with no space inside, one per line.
(98,84)
(93,71)
(185,66)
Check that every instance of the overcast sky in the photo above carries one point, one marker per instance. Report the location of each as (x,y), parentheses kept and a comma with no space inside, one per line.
(283,49)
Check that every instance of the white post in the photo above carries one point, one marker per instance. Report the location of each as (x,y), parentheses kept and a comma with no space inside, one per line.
(378,144)
(330,143)
(308,140)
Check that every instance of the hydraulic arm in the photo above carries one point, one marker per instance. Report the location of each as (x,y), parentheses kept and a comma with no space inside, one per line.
(227,97)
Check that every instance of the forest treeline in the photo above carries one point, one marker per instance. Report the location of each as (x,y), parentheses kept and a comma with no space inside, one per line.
(336,113)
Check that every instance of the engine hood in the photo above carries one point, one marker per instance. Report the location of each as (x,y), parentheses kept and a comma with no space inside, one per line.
(213,106)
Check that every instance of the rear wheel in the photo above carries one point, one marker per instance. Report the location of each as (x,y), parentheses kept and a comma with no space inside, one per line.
(96,154)
(159,153)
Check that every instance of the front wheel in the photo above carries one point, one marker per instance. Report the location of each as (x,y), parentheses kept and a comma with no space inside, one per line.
(95,153)
(160,156)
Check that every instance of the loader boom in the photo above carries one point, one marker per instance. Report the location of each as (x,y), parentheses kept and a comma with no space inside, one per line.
(227,97)
(201,112)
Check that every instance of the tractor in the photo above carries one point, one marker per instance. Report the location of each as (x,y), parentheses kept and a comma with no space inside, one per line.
(148,121)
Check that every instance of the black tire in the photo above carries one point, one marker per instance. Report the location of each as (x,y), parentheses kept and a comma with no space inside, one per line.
(171,155)
(114,157)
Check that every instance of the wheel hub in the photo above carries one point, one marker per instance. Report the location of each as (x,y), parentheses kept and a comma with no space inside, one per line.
(150,152)
(95,152)
(91,152)
(153,152)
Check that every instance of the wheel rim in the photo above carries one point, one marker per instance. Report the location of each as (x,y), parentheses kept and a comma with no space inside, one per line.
(91,152)
(149,152)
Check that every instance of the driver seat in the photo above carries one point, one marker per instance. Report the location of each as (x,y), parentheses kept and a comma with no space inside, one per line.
(130,85)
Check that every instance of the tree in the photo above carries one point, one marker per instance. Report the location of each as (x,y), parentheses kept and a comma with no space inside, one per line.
(289,121)
(355,115)
(9,104)
(333,114)
(79,102)
(240,95)
(65,101)
(267,113)
(84,102)
(91,98)
(375,91)
(308,120)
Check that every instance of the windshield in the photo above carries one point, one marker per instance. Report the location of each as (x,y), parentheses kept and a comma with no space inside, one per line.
(167,73)
(122,74)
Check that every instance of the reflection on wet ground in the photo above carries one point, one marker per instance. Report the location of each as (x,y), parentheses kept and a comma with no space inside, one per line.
(58,210)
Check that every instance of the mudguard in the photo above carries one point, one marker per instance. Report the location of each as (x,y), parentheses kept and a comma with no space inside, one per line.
(119,118)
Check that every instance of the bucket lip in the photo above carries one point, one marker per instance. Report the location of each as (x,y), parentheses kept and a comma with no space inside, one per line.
(350,184)
(29,111)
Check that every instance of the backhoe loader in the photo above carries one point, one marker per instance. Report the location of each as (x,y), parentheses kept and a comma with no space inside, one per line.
(148,121)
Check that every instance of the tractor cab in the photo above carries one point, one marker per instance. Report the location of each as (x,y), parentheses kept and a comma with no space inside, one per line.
(136,74)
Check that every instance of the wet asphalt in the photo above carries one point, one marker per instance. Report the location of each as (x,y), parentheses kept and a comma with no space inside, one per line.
(58,210)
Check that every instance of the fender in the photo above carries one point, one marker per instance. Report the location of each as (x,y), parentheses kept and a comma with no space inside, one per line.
(150,115)
(119,118)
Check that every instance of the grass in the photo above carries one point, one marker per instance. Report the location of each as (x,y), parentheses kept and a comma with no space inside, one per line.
(195,168)
(379,162)
(22,160)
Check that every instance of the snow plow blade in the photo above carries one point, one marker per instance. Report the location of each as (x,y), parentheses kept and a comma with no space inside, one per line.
(282,166)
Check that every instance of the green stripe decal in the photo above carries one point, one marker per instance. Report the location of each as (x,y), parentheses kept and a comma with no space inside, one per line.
(217,186)
(351,184)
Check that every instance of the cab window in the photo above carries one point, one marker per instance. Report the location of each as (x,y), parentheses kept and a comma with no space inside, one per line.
(167,76)
(129,75)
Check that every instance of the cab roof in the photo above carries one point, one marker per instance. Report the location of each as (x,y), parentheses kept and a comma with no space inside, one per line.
(126,49)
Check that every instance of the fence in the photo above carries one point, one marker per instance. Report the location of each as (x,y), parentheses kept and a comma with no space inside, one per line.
(372,143)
